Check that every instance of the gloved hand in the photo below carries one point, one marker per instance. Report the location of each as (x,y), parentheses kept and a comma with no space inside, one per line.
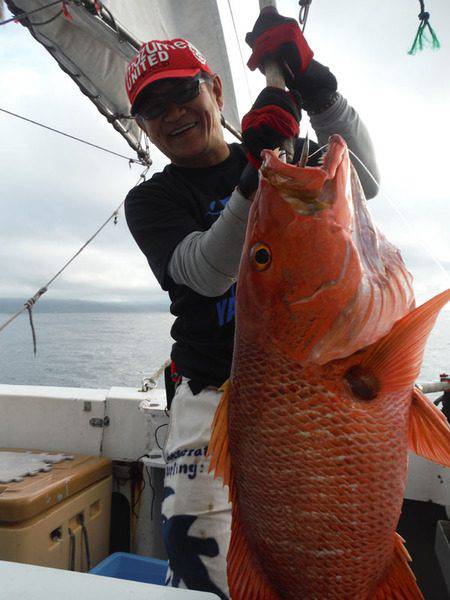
(280,38)
(273,118)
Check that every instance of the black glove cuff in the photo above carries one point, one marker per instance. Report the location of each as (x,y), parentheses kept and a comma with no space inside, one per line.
(318,87)
(320,106)
(248,182)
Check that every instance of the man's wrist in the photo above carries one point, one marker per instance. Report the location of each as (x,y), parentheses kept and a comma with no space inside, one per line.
(316,109)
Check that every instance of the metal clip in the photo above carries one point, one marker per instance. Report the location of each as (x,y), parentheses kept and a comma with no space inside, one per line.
(97,422)
(148,384)
(303,15)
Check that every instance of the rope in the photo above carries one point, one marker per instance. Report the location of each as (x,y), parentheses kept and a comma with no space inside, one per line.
(157,374)
(29,304)
(150,383)
(24,15)
(130,160)
(421,39)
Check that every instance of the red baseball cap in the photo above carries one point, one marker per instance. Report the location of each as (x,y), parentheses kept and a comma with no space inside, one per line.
(162,59)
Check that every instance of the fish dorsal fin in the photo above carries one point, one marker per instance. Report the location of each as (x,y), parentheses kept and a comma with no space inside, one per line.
(396,358)
(429,430)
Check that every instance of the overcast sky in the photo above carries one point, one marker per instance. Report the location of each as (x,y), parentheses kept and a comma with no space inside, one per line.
(56,192)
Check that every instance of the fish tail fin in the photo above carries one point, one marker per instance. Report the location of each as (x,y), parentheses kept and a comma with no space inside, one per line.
(246,579)
(218,449)
(429,430)
(396,359)
(399,582)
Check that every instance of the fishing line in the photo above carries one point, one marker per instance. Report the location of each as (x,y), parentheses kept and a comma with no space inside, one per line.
(317,151)
(130,160)
(405,220)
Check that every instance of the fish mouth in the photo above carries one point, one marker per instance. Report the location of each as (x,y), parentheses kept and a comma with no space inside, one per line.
(306,189)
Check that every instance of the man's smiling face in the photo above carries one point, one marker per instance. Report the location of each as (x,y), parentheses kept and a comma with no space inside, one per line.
(189,134)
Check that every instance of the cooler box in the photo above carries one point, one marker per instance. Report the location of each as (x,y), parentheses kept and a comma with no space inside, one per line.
(59,518)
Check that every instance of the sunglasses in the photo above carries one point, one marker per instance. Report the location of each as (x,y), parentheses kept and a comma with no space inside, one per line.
(182,93)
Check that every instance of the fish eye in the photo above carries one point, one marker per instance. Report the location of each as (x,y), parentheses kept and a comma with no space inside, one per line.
(260,256)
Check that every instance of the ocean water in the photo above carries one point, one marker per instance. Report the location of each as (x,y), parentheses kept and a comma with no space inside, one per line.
(92,350)
(102,350)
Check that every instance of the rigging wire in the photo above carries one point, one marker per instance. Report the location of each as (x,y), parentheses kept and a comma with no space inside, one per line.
(130,160)
(404,219)
(397,210)
(240,53)
(32,301)
(24,15)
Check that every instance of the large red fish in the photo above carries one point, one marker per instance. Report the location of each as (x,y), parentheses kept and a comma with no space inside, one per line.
(313,431)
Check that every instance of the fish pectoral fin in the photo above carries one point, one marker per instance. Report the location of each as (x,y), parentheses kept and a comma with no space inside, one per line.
(429,430)
(246,579)
(218,449)
(399,582)
(396,358)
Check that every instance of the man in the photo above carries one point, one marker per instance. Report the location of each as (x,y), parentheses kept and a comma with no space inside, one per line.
(190,220)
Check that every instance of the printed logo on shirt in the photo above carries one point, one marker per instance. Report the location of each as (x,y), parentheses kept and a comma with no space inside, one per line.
(187,462)
(217,206)
(225,308)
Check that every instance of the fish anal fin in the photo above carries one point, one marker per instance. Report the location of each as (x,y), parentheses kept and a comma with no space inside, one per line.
(246,579)
(429,430)
(399,582)
(396,358)
(218,449)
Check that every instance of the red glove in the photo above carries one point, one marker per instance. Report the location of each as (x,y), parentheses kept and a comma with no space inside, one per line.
(281,39)
(273,118)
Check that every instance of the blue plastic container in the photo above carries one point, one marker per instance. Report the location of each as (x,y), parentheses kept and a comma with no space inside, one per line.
(132,567)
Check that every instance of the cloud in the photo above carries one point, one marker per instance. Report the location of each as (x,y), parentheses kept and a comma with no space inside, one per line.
(56,192)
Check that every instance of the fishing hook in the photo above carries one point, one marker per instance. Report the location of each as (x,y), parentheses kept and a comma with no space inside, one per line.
(305,152)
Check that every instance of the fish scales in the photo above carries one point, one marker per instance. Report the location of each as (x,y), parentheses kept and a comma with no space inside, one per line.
(322,528)
(313,429)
